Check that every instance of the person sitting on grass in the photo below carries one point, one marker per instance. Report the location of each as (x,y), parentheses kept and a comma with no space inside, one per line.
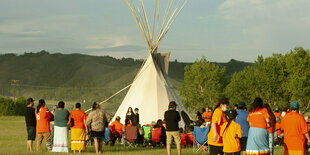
(159,124)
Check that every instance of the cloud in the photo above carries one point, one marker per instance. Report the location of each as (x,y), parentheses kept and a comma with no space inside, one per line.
(269,24)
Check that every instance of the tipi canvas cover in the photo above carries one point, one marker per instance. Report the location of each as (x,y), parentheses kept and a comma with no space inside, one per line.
(151,92)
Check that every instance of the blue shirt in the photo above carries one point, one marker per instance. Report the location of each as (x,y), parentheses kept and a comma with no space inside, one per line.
(242,121)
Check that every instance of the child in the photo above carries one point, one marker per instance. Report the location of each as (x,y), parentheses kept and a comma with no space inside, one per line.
(231,132)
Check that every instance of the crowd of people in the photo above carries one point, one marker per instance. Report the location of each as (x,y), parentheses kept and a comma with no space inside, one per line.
(255,132)
(230,131)
(52,127)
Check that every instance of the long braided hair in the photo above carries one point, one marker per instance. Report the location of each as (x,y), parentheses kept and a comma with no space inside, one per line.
(232,114)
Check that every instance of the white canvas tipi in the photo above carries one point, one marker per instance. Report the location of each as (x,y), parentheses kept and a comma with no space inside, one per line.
(151,91)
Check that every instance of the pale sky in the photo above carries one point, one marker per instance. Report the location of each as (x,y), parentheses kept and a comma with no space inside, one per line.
(218,29)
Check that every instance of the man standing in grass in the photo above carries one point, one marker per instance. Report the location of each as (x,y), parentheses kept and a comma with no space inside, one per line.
(30,118)
(172,118)
(295,131)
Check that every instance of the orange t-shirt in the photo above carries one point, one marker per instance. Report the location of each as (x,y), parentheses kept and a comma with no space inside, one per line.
(278,129)
(78,117)
(43,124)
(218,118)
(295,127)
(207,116)
(116,126)
(231,137)
(258,118)
(277,114)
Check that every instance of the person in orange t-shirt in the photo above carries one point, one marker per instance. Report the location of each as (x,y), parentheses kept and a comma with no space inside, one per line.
(278,127)
(215,141)
(231,132)
(207,116)
(258,137)
(277,113)
(43,129)
(77,118)
(295,131)
(116,129)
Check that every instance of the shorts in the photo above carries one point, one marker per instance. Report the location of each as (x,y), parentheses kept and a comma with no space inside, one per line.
(31,131)
(97,134)
(175,135)
(243,142)
(216,150)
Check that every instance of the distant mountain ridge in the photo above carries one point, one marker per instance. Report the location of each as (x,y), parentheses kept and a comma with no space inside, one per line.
(78,77)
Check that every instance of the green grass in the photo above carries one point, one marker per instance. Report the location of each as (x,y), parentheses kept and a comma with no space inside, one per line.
(13,141)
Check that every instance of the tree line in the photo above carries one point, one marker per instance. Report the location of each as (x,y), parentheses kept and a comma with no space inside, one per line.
(278,80)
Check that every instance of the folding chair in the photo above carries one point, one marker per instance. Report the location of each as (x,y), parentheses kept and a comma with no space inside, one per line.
(156,136)
(183,139)
(201,138)
(106,138)
(130,135)
(147,133)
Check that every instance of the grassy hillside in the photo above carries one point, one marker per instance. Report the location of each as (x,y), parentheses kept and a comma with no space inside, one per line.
(77,77)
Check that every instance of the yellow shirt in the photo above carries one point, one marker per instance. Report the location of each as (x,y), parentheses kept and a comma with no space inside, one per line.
(231,137)
(218,118)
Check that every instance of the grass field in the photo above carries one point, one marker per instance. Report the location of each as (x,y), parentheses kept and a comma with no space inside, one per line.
(13,141)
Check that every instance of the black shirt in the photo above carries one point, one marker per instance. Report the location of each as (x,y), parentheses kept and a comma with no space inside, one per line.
(135,119)
(30,116)
(172,118)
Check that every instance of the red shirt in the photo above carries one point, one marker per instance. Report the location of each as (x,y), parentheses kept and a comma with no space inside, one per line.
(43,124)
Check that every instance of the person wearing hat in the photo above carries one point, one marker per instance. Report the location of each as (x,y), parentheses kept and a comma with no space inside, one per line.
(116,130)
(231,132)
(215,141)
(30,118)
(172,118)
(295,131)
(242,121)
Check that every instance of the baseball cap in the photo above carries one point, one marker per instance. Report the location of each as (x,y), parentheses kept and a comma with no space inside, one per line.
(172,104)
(295,105)
(30,100)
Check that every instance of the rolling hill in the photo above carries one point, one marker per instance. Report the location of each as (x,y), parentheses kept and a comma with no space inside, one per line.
(77,77)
